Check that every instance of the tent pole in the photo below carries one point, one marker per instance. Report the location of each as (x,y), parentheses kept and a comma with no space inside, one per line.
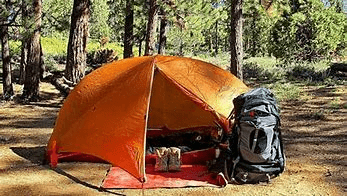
(146,120)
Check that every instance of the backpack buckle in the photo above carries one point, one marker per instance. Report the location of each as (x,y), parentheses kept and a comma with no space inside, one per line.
(252,114)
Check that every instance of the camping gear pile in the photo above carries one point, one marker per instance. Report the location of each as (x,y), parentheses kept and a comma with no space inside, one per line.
(158,115)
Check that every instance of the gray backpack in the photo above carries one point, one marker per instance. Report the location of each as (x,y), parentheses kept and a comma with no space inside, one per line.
(256,138)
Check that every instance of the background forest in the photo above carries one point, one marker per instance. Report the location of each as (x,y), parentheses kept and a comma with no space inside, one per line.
(280,39)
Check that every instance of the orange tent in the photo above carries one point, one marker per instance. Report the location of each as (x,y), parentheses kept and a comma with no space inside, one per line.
(108,113)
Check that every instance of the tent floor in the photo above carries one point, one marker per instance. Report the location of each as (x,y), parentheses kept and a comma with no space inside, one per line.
(189,176)
(194,171)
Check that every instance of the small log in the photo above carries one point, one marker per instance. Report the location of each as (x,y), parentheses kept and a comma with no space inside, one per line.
(341,74)
(336,67)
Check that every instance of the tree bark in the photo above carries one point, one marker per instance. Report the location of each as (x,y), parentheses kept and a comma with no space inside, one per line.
(128,29)
(33,69)
(79,32)
(23,60)
(163,32)
(236,39)
(25,41)
(151,28)
(140,47)
(6,65)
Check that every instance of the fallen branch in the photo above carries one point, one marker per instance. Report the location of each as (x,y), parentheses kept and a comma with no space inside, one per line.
(335,67)
(339,69)
(68,82)
(58,80)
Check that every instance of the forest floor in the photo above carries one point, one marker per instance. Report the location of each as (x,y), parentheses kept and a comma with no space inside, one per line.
(313,128)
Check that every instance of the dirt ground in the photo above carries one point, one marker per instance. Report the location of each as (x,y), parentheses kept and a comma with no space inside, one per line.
(314,132)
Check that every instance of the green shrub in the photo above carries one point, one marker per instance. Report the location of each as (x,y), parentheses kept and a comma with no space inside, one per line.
(222,60)
(265,62)
(312,31)
(15,47)
(263,69)
(286,91)
(54,45)
(94,45)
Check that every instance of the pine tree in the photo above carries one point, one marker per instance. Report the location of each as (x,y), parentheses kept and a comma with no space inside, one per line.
(236,47)
(79,31)
(151,27)
(128,29)
(34,60)
(6,65)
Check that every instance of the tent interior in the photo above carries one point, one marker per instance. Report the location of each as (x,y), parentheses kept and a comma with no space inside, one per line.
(176,120)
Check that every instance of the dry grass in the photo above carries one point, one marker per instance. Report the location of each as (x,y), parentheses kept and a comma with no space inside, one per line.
(314,134)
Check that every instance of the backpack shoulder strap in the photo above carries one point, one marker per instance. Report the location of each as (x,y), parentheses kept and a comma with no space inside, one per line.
(236,158)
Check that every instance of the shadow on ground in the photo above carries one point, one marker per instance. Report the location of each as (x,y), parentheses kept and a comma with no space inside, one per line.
(316,129)
(36,155)
(33,154)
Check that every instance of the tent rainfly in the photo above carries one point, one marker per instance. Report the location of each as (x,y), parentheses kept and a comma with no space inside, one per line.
(112,110)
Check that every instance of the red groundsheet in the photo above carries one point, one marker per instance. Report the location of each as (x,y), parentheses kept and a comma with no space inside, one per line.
(193,171)
(189,176)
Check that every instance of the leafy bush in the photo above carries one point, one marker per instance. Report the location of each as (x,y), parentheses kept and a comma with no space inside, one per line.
(58,46)
(54,45)
(286,91)
(263,69)
(308,31)
(55,50)
(306,73)
(94,46)
(51,62)
(222,60)
(267,70)
(15,47)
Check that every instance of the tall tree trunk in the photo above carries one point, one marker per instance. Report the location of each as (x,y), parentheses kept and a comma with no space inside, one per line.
(42,63)
(128,29)
(6,65)
(23,60)
(216,39)
(140,39)
(25,41)
(255,36)
(33,69)
(236,38)
(79,31)
(151,27)
(140,47)
(163,32)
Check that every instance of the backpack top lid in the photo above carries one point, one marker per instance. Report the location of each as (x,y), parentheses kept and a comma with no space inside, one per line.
(256,97)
